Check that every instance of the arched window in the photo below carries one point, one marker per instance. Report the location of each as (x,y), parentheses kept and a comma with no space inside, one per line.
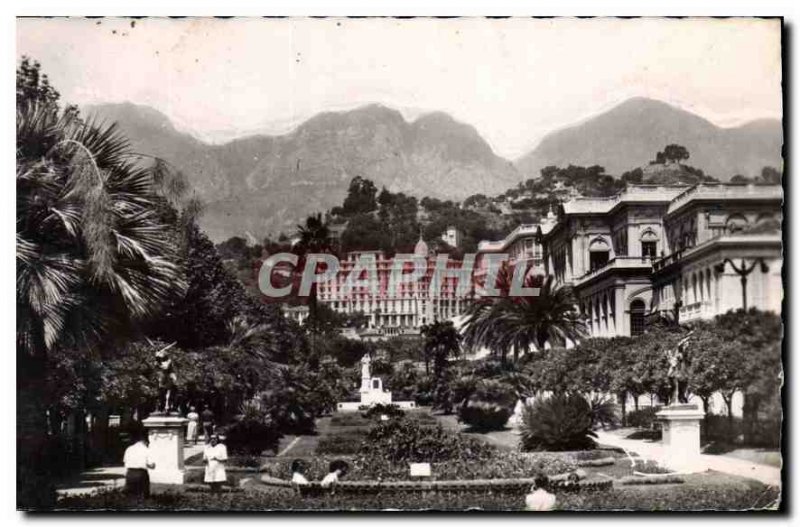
(637,317)
(649,241)
(598,254)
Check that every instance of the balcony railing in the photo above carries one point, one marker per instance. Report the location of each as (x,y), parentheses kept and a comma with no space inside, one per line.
(619,262)
(697,311)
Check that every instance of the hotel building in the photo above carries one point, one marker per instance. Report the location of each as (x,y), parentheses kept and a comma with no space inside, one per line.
(404,310)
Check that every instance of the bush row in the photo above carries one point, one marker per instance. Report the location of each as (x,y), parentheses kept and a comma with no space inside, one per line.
(673,497)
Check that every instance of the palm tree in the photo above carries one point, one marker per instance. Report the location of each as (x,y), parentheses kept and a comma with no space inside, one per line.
(92,250)
(519,323)
(315,236)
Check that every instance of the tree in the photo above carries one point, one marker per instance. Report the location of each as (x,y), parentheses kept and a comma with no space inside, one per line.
(33,86)
(360,197)
(738,178)
(95,255)
(315,237)
(442,341)
(771,175)
(671,154)
(518,324)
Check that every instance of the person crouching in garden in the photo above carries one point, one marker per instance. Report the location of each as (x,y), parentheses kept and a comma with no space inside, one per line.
(539,499)
(298,469)
(137,461)
(336,470)
(215,455)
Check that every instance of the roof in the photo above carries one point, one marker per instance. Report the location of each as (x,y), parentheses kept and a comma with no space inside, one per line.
(725,192)
(631,194)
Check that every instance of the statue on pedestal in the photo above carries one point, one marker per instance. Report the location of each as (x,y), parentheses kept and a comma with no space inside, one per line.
(167,379)
(365,373)
(677,372)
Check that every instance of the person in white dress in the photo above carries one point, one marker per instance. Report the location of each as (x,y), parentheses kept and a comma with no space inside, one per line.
(191,428)
(215,455)
(539,499)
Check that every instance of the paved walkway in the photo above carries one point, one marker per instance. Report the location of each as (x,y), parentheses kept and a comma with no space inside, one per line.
(103,478)
(720,463)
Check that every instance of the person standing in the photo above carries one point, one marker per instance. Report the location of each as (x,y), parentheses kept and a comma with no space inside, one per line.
(137,461)
(215,455)
(191,428)
(208,423)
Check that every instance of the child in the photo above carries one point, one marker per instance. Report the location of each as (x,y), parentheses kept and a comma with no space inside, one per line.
(539,499)
(336,469)
(298,467)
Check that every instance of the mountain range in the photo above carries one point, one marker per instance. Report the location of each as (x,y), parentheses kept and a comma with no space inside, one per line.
(262,184)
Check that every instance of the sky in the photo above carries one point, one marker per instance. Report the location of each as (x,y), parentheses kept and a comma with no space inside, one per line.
(514,80)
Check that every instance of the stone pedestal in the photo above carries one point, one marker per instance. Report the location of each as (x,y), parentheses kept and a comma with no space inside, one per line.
(680,425)
(166,434)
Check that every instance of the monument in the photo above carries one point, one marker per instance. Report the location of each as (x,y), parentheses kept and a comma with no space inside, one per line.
(166,429)
(680,421)
(371,391)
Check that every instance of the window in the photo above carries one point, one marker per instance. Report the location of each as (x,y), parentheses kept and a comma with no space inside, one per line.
(649,241)
(597,260)
(649,249)
(598,254)
(637,317)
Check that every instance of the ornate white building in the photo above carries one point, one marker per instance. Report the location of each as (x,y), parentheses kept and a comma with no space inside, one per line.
(654,251)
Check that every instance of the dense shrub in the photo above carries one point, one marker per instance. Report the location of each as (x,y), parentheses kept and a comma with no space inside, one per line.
(604,412)
(291,408)
(391,410)
(253,431)
(424,391)
(405,440)
(403,381)
(488,407)
(560,422)
(643,417)
(500,465)
(349,419)
(721,429)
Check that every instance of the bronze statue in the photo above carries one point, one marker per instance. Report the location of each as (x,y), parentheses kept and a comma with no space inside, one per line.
(677,374)
(167,378)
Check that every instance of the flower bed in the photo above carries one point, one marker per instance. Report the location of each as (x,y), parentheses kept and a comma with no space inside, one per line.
(701,492)
(499,465)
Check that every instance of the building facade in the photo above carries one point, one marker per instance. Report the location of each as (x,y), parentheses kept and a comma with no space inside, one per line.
(402,310)
(658,251)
